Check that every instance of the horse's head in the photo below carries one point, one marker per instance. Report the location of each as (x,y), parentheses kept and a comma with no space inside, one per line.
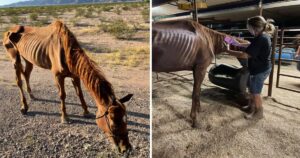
(113,121)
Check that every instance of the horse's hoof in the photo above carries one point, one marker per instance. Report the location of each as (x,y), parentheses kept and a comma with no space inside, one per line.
(65,120)
(193,124)
(87,115)
(32,96)
(24,111)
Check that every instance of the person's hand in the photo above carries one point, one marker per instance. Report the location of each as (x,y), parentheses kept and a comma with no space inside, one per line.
(227,47)
(244,56)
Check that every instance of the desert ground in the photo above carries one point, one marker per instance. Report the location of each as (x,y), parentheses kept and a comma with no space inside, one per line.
(123,55)
(221,129)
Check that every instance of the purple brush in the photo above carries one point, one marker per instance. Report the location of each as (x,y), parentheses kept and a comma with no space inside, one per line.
(232,41)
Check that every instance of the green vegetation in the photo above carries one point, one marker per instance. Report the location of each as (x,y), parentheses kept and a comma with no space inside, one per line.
(79,12)
(125,8)
(119,28)
(14,19)
(132,57)
(107,8)
(33,16)
(145,13)
(106,17)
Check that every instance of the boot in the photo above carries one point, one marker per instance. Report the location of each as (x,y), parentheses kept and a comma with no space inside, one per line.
(251,112)
(246,107)
(259,113)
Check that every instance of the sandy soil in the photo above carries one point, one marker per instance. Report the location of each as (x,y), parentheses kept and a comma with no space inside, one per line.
(41,133)
(221,129)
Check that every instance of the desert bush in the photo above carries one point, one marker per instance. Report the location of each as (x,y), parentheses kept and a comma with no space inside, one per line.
(119,28)
(118,11)
(33,16)
(45,20)
(107,8)
(54,14)
(79,12)
(73,21)
(90,9)
(126,8)
(103,19)
(14,19)
(10,12)
(99,11)
(145,13)
(1,21)
(88,14)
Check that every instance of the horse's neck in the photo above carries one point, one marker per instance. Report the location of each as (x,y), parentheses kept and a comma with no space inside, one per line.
(93,79)
(218,41)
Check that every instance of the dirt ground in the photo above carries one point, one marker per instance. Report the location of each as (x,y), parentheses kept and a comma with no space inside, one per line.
(40,133)
(221,129)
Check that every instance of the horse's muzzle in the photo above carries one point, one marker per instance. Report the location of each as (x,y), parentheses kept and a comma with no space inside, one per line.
(125,149)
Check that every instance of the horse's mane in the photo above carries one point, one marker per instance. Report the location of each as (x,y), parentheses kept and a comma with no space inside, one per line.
(82,66)
(215,38)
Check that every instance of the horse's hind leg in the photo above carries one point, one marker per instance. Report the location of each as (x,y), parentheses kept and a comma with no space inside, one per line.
(199,74)
(76,83)
(60,82)
(19,70)
(26,74)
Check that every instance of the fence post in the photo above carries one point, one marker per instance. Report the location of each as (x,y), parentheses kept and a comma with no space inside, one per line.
(274,43)
(279,57)
(195,10)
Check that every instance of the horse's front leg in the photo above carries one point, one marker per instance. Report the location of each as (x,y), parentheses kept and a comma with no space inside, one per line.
(26,74)
(19,70)
(199,74)
(60,82)
(76,84)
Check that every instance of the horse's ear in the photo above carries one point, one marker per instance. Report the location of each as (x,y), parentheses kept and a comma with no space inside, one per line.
(126,98)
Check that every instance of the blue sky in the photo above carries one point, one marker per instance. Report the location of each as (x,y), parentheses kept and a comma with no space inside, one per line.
(4,2)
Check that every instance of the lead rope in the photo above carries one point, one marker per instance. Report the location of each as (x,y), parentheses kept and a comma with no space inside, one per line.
(215,60)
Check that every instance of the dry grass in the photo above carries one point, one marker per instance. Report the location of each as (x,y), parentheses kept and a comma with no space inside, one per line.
(4,57)
(88,30)
(131,57)
(108,29)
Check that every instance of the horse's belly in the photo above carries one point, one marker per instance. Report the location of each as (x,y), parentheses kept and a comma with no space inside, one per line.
(40,59)
(169,58)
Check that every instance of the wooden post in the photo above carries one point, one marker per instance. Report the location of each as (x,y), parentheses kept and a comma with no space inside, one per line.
(195,11)
(274,43)
(279,56)
(260,5)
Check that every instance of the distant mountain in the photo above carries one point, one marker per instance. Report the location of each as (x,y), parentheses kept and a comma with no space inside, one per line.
(61,2)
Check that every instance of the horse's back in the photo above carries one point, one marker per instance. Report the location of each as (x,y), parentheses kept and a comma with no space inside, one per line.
(41,46)
(174,46)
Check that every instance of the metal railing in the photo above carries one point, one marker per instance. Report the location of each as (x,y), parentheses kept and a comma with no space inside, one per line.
(281,44)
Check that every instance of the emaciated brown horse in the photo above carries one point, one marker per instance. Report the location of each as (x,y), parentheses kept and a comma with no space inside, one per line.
(55,47)
(186,45)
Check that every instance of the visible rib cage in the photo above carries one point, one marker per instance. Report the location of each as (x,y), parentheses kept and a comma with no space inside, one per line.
(180,45)
(36,49)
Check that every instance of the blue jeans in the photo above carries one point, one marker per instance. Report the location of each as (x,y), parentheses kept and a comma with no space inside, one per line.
(256,82)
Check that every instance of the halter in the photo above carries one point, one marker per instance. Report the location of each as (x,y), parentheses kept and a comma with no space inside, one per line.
(107,120)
